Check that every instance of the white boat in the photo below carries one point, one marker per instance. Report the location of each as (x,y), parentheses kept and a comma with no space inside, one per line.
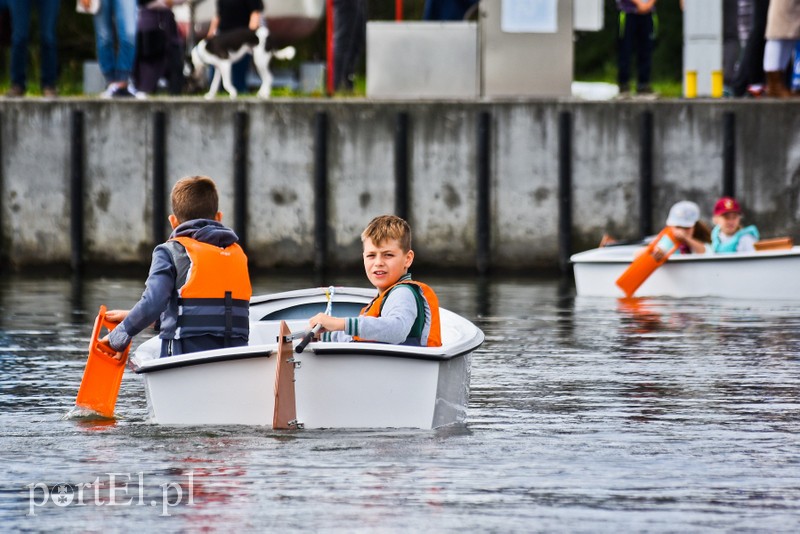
(768,274)
(336,385)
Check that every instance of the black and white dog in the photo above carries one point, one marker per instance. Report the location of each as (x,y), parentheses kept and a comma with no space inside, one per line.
(225,49)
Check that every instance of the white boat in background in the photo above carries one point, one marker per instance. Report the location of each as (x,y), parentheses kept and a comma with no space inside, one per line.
(768,274)
(336,385)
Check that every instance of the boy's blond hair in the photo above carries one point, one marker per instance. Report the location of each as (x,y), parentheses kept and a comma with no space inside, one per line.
(386,227)
(195,197)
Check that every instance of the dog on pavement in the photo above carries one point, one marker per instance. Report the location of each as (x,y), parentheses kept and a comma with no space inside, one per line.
(223,50)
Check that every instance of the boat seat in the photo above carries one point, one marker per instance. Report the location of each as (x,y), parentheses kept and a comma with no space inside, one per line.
(266,332)
(775,243)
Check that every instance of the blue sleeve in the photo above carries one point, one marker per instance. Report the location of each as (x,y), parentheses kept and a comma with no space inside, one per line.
(159,288)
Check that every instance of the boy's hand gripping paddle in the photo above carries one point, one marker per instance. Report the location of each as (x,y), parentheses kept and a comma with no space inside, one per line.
(644,265)
(103,373)
(310,335)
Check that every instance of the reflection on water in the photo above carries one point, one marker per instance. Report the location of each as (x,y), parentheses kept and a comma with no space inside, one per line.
(585,414)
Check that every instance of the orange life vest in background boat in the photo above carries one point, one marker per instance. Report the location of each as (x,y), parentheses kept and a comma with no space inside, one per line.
(215,298)
(373,309)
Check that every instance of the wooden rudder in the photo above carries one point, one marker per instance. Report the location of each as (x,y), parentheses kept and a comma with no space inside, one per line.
(285,414)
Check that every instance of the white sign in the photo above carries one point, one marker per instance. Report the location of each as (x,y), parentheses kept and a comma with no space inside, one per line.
(529,16)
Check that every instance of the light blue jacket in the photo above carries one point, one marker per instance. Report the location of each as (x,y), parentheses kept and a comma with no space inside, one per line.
(732,245)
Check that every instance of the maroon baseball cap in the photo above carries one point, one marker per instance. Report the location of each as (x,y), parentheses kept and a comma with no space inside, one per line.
(726,205)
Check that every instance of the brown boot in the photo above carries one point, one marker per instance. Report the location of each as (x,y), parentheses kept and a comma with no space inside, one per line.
(776,88)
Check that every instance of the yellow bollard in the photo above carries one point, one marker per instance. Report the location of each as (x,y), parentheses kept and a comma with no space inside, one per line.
(716,84)
(690,84)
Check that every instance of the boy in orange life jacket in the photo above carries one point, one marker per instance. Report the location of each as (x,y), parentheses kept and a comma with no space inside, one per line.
(405,312)
(198,288)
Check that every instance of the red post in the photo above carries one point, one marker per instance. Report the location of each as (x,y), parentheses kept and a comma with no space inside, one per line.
(398,10)
(329,28)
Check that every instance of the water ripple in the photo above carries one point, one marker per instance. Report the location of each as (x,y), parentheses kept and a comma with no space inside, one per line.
(585,415)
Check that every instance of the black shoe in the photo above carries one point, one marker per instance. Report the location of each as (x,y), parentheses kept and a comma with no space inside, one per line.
(122,91)
(15,91)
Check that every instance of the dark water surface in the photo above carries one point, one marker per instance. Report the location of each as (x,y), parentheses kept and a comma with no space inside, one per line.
(585,415)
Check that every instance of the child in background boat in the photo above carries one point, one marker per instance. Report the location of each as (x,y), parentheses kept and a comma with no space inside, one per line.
(198,287)
(405,312)
(728,234)
(682,219)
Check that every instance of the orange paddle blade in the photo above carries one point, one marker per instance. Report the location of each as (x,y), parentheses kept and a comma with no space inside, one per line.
(103,373)
(644,264)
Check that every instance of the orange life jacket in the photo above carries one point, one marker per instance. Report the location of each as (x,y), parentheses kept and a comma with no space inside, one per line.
(215,298)
(373,309)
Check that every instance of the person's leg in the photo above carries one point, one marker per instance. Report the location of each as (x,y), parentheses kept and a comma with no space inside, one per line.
(146,66)
(104,37)
(776,54)
(125,15)
(239,73)
(48,16)
(731,49)
(358,40)
(776,58)
(20,31)
(345,20)
(175,58)
(429,11)
(645,32)
(750,66)
(624,49)
(355,43)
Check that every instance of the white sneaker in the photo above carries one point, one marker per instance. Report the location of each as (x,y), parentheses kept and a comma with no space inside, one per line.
(110,90)
(123,90)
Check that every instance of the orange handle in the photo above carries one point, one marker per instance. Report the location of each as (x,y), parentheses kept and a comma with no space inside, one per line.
(644,264)
(666,232)
(103,373)
(102,322)
(105,349)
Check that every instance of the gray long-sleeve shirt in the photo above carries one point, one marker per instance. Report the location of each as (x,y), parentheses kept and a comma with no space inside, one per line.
(394,324)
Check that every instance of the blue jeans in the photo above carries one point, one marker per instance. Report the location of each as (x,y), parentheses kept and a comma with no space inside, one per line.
(116,63)
(20,34)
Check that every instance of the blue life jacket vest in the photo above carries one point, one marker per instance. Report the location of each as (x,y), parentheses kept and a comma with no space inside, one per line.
(733,243)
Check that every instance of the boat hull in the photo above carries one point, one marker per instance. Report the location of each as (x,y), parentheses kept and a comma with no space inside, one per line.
(754,275)
(337,385)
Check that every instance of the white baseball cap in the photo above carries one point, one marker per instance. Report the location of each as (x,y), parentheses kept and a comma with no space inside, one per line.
(684,214)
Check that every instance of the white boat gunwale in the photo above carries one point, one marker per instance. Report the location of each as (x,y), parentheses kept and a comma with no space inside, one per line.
(314,292)
(393,351)
(625,255)
(320,348)
(203,358)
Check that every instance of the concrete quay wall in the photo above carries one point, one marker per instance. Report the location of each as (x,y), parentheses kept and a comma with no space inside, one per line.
(113,159)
